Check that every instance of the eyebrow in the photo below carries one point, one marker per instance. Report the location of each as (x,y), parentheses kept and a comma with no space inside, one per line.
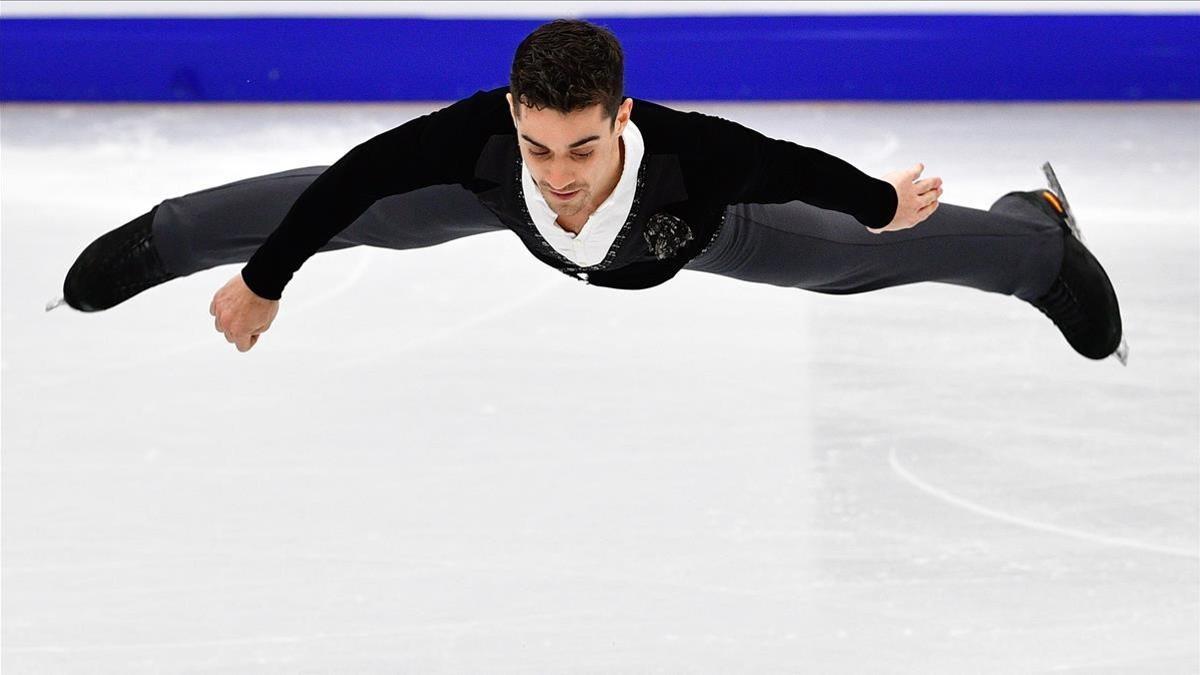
(576,144)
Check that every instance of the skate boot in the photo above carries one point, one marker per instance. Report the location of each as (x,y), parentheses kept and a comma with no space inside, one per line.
(114,268)
(1081,301)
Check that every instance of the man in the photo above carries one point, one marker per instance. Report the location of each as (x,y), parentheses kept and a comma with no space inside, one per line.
(614,191)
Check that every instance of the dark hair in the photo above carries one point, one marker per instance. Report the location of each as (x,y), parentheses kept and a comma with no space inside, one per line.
(567,65)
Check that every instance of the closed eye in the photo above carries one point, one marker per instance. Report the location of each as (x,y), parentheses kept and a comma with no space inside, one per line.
(578,155)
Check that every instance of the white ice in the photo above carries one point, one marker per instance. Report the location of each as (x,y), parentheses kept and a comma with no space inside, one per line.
(402,476)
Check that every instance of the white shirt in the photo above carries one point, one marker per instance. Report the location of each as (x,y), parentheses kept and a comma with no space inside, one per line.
(600,231)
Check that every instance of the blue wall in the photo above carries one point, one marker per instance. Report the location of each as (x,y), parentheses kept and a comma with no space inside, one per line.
(845,57)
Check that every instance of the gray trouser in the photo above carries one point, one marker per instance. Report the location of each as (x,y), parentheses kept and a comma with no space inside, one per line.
(1013,249)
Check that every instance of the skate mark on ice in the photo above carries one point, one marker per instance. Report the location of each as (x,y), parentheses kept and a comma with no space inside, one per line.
(891,143)
(954,500)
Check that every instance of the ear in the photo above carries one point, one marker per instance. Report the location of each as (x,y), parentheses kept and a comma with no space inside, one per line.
(623,115)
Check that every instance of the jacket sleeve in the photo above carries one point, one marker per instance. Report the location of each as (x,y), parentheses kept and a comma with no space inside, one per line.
(750,168)
(439,148)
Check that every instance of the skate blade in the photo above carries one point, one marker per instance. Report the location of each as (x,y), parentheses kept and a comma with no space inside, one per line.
(55,302)
(1122,353)
(1068,214)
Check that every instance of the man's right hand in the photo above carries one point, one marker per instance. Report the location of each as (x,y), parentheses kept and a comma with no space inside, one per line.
(240,314)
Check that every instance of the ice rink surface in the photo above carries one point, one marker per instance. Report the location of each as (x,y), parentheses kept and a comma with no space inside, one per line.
(459,460)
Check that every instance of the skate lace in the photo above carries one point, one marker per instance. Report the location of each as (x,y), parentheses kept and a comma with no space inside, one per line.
(140,258)
(1061,306)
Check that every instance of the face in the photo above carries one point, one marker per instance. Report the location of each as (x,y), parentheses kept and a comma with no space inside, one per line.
(575,158)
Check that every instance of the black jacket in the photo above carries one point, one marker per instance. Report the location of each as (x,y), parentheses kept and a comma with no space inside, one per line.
(694,166)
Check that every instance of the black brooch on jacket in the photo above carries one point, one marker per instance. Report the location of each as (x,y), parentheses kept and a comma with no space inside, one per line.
(666,234)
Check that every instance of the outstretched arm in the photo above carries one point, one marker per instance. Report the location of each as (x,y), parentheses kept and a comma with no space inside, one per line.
(435,149)
(753,168)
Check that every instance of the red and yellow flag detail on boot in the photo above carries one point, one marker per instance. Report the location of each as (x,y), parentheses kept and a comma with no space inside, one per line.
(1050,197)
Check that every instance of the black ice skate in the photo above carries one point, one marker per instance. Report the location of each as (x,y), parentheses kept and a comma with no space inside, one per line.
(114,268)
(1081,301)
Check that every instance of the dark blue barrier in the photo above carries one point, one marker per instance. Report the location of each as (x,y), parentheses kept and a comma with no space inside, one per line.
(864,57)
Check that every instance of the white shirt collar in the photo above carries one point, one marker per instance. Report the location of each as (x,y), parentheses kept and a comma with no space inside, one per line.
(593,242)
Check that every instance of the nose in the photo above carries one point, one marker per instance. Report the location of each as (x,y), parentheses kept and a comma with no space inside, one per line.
(559,177)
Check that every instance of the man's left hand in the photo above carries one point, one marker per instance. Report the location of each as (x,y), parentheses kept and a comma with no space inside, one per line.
(915,199)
